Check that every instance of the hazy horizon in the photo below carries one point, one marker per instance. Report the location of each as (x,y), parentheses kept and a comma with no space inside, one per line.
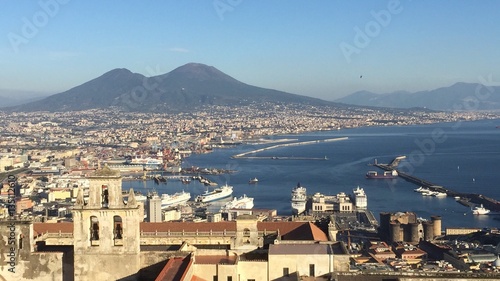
(319,49)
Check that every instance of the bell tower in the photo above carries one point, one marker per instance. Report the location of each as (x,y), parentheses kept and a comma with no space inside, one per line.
(106,230)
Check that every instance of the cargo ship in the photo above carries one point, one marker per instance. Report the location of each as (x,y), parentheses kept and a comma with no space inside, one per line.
(217,194)
(385,175)
(299,199)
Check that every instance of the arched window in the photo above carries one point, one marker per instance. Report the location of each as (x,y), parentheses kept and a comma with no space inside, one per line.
(21,236)
(105,196)
(118,227)
(94,228)
(246,232)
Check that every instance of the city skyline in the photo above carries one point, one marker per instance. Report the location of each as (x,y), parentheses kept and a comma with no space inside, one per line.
(325,49)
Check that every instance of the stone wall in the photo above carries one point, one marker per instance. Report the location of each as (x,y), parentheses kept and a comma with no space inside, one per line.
(17,258)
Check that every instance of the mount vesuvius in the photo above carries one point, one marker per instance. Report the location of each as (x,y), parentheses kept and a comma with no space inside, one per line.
(183,89)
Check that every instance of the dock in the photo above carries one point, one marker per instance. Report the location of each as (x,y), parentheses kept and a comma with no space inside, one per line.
(466,199)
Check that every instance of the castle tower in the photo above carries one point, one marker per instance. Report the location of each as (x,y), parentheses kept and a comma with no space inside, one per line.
(106,230)
(436,221)
(414,233)
(396,232)
(428,230)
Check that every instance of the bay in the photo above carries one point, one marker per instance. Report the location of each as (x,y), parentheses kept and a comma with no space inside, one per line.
(462,156)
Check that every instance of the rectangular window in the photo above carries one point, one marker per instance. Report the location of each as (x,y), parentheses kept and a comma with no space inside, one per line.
(215,278)
(286,271)
(311,270)
(230,278)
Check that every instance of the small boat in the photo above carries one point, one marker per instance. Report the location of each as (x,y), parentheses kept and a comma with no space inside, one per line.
(480,210)
(186,180)
(421,189)
(440,194)
(253,181)
(385,175)
(156,179)
(428,193)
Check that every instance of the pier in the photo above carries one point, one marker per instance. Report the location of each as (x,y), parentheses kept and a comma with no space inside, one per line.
(244,155)
(284,158)
(466,199)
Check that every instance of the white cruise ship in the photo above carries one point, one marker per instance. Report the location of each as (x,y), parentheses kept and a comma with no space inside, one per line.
(299,199)
(360,199)
(148,163)
(243,202)
(176,199)
(218,193)
(480,210)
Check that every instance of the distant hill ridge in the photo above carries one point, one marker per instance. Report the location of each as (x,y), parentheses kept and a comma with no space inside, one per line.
(459,96)
(184,88)
(195,85)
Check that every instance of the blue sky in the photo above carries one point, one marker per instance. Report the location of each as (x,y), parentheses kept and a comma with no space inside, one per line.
(313,48)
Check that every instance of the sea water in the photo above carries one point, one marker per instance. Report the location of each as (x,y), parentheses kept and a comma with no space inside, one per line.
(462,156)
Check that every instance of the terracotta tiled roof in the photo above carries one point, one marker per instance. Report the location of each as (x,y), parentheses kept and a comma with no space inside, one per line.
(288,230)
(187,226)
(294,230)
(283,226)
(175,269)
(318,234)
(63,227)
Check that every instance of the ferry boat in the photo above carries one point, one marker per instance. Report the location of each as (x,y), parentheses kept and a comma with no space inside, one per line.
(243,202)
(218,193)
(299,199)
(480,210)
(385,175)
(175,199)
(253,181)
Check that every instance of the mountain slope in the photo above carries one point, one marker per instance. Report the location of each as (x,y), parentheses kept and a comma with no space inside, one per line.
(184,88)
(99,92)
(470,96)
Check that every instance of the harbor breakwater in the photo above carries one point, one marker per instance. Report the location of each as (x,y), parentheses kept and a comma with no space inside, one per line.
(245,154)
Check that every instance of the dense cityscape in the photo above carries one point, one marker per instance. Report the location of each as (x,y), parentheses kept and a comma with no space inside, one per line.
(63,171)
